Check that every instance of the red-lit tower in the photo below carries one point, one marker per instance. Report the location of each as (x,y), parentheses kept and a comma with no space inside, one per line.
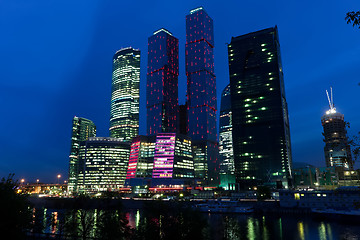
(162,83)
(201,93)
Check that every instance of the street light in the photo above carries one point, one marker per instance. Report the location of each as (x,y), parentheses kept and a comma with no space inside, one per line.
(58,177)
(37,181)
(22,181)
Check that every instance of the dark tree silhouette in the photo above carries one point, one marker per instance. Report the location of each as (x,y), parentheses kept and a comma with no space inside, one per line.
(15,211)
(163,221)
(112,225)
(353,18)
(355,147)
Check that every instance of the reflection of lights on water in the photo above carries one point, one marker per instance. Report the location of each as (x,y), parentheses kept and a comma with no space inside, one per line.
(250,227)
(328,226)
(265,232)
(44,218)
(301,230)
(33,216)
(137,218)
(325,231)
(322,231)
(95,217)
(54,222)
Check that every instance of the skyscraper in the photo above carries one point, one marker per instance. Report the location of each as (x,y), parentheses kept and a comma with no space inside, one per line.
(125,89)
(82,129)
(337,150)
(103,164)
(261,135)
(201,93)
(226,154)
(162,83)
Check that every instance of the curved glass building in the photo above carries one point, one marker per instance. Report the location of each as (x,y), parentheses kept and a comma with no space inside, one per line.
(125,94)
(226,154)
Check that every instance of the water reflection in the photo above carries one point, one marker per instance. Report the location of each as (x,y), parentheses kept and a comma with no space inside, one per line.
(251,228)
(301,230)
(54,222)
(220,226)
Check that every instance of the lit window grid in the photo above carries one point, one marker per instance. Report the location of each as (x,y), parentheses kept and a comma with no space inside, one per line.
(124,110)
(104,165)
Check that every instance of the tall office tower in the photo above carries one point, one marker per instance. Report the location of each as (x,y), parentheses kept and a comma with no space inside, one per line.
(201,93)
(226,154)
(337,150)
(261,135)
(125,89)
(103,162)
(82,129)
(162,83)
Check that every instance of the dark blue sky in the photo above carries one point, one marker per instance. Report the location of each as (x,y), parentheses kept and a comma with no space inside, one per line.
(56,56)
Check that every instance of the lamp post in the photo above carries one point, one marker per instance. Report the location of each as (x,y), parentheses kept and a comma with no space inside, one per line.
(22,181)
(58,177)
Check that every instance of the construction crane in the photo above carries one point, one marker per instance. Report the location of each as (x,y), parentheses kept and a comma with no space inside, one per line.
(331,101)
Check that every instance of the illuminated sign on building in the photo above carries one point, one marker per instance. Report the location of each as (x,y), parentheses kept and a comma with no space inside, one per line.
(164,155)
(133,159)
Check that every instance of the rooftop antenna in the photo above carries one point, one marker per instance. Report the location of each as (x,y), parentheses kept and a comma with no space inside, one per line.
(331,101)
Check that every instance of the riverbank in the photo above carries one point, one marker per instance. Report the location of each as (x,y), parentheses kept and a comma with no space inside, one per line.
(262,207)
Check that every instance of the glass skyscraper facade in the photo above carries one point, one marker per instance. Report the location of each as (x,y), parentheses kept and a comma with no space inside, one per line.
(201,93)
(103,164)
(261,135)
(82,129)
(162,83)
(125,90)
(226,154)
(337,150)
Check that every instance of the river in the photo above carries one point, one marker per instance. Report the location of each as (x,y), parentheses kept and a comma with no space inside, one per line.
(237,226)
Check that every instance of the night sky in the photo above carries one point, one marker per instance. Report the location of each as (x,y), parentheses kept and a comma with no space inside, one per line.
(56,61)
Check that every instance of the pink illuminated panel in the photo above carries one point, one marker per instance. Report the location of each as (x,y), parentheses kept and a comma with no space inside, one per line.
(133,159)
(164,155)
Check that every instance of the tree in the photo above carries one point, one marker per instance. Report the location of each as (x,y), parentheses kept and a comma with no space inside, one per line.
(353,18)
(112,225)
(162,221)
(355,144)
(80,220)
(15,211)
